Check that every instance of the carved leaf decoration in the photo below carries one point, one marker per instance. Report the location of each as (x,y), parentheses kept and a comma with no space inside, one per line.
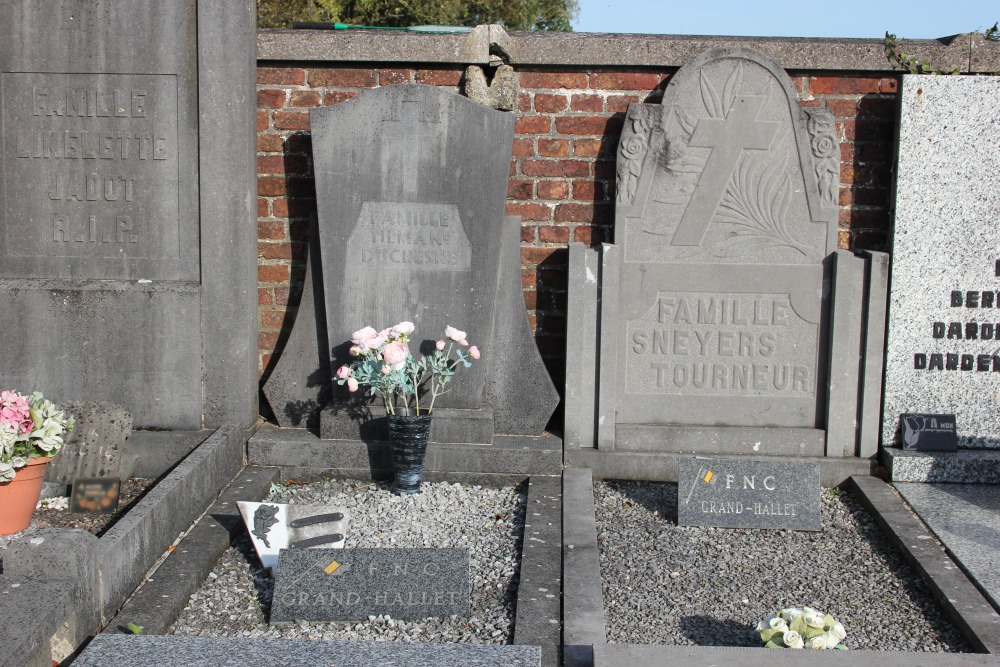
(710,98)
(732,88)
(677,200)
(686,122)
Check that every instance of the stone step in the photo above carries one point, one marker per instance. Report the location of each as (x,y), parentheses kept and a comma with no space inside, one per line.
(966,466)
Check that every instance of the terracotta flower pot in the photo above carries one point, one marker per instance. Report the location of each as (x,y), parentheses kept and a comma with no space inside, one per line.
(19,496)
(408,441)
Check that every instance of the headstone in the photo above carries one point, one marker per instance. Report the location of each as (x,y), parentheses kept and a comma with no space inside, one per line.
(728,321)
(129,651)
(943,351)
(98,446)
(748,493)
(276,526)
(411,182)
(353,584)
(126,206)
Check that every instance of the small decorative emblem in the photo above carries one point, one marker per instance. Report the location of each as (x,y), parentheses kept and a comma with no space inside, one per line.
(263,519)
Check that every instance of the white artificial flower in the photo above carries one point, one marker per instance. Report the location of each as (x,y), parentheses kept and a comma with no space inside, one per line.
(778,623)
(403,328)
(6,472)
(18,462)
(813,618)
(838,631)
(790,613)
(8,436)
(818,642)
(792,639)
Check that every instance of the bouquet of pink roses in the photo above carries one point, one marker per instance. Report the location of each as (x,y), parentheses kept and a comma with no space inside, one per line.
(31,427)
(386,368)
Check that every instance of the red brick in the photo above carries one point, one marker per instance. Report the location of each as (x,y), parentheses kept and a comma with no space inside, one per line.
(846,173)
(619,103)
(587,147)
(553,148)
(545,103)
(271,98)
(336,96)
(283,250)
(846,152)
(265,296)
(520,189)
(343,77)
(553,80)
(584,124)
(530,299)
(270,229)
(535,256)
(553,234)
(270,164)
(390,76)
(306,98)
(555,168)
(800,83)
(587,103)
(273,273)
(281,295)
(270,186)
(844,108)
(439,77)
(281,76)
(531,322)
(889,84)
(523,102)
(270,143)
(533,212)
(589,235)
(262,121)
(624,80)
(261,210)
(532,125)
(588,191)
(267,340)
(574,213)
(272,319)
(291,120)
(528,233)
(553,189)
(843,85)
(524,148)
(529,277)
(809,103)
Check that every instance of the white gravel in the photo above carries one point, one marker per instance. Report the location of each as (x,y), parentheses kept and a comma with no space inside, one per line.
(665,584)
(236,597)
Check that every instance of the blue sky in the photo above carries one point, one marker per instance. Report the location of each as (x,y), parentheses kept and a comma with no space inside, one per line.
(788,18)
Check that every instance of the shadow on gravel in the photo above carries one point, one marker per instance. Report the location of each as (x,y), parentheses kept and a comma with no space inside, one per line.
(659,498)
(710,631)
(263,581)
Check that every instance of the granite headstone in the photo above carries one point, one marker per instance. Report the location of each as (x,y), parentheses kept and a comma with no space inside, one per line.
(943,351)
(98,446)
(728,321)
(352,584)
(748,493)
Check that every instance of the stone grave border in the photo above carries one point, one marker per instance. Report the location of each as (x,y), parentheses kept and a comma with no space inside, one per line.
(159,601)
(584,643)
(60,586)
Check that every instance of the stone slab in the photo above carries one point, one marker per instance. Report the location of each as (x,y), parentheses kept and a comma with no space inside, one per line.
(148,651)
(31,612)
(98,446)
(966,466)
(580,402)
(961,601)
(164,594)
(350,421)
(159,451)
(844,375)
(941,246)
(583,599)
(873,353)
(352,584)
(748,493)
(709,440)
(966,518)
(628,655)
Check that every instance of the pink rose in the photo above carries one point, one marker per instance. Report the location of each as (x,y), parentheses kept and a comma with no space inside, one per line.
(439,345)
(454,334)
(474,352)
(362,335)
(386,369)
(344,372)
(395,354)
(352,385)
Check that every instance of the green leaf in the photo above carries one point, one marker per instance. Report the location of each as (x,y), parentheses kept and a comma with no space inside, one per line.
(765,635)
(136,629)
(775,643)
(828,621)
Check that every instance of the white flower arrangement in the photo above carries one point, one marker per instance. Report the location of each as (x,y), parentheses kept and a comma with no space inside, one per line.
(802,628)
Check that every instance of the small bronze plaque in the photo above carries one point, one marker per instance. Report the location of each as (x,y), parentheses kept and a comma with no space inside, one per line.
(95,494)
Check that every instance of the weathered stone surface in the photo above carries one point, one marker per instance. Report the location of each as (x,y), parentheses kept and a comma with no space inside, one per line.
(352,584)
(500,93)
(748,493)
(97,447)
(943,351)
(128,651)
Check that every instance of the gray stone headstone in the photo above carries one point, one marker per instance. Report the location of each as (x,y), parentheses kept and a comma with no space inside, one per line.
(943,352)
(352,584)
(748,493)
(123,132)
(98,446)
(145,650)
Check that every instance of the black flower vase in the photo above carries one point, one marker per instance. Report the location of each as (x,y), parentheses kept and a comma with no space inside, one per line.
(408,442)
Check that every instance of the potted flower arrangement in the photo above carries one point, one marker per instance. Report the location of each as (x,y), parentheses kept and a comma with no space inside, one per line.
(408,387)
(802,628)
(31,432)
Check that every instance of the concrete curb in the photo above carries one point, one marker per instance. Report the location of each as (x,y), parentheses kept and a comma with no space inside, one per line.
(583,599)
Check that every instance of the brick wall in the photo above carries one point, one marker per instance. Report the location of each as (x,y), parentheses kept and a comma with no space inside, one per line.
(562,172)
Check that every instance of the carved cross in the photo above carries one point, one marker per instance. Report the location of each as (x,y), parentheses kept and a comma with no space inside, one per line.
(727,137)
(407,119)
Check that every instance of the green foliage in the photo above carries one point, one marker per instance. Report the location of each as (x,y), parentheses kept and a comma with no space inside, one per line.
(911,64)
(513,14)
(136,629)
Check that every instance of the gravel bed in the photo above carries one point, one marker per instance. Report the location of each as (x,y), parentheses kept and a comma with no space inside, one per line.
(665,584)
(235,600)
(131,492)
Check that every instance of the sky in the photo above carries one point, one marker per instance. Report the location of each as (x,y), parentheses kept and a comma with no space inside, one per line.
(912,19)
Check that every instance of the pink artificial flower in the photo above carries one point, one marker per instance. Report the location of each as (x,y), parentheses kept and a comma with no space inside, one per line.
(403,328)
(362,335)
(439,345)
(344,372)
(474,352)
(386,369)
(456,335)
(355,350)
(395,354)
(15,412)
(352,384)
